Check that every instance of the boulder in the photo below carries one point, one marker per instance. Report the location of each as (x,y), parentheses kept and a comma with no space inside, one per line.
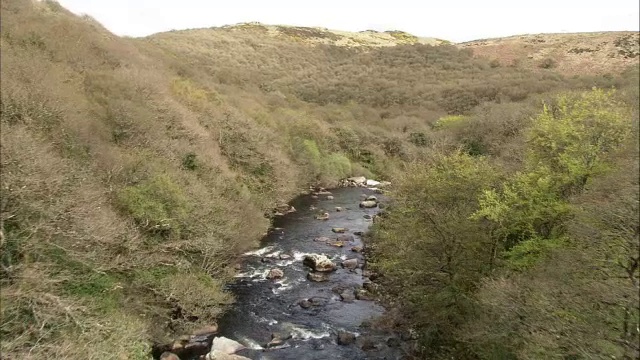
(357,249)
(304,303)
(330,197)
(274,342)
(225,345)
(368,204)
(177,346)
(367,216)
(348,296)
(339,230)
(364,295)
(346,238)
(367,343)
(317,277)
(322,239)
(284,256)
(314,197)
(372,198)
(358,233)
(346,338)
(169,356)
(350,264)
(275,274)
(278,339)
(339,209)
(319,263)
(337,244)
(319,301)
(338,289)
(370,286)
(284,209)
(207,330)
(372,183)
(358,180)
(323,216)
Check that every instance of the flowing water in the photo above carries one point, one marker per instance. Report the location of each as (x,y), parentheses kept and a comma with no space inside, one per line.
(267,306)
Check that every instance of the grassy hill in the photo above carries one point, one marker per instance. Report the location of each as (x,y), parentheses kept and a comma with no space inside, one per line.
(570,54)
(134,171)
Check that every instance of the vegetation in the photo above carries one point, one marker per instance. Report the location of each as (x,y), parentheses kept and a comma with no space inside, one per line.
(490,263)
(134,171)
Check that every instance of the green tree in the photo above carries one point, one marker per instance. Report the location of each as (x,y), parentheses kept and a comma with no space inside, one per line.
(567,145)
(431,253)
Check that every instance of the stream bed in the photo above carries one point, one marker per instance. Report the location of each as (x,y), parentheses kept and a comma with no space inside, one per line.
(275,307)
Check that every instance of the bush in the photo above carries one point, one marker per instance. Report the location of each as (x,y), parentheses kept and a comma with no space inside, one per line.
(189,161)
(419,139)
(547,63)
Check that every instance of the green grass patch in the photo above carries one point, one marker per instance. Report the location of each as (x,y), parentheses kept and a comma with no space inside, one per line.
(158,205)
(449,121)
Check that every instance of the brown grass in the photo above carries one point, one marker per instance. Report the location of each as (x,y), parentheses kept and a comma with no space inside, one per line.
(575,54)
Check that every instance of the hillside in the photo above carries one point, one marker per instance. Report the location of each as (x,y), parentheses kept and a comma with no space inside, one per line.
(135,171)
(570,54)
(317,36)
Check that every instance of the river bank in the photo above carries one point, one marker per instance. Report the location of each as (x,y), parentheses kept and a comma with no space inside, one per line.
(285,309)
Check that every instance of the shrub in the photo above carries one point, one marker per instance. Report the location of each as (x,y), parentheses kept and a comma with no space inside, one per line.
(189,161)
(547,63)
(419,139)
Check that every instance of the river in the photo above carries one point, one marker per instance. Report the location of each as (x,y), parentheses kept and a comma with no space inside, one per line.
(265,307)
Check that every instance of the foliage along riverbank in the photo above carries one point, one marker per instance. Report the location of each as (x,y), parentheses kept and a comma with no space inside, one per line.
(540,261)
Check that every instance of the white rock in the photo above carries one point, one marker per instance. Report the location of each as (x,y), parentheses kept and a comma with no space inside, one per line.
(225,346)
(358,179)
(372,183)
(319,263)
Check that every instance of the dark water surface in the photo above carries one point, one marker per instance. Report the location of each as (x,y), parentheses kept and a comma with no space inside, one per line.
(266,306)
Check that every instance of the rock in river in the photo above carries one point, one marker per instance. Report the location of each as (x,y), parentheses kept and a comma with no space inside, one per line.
(368,204)
(339,230)
(348,296)
(323,216)
(372,183)
(169,356)
(345,238)
(275,274)
(346,338)
(304,303)
(317,277)
(350,264)
(223,349)
(319,263)
(358,180)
